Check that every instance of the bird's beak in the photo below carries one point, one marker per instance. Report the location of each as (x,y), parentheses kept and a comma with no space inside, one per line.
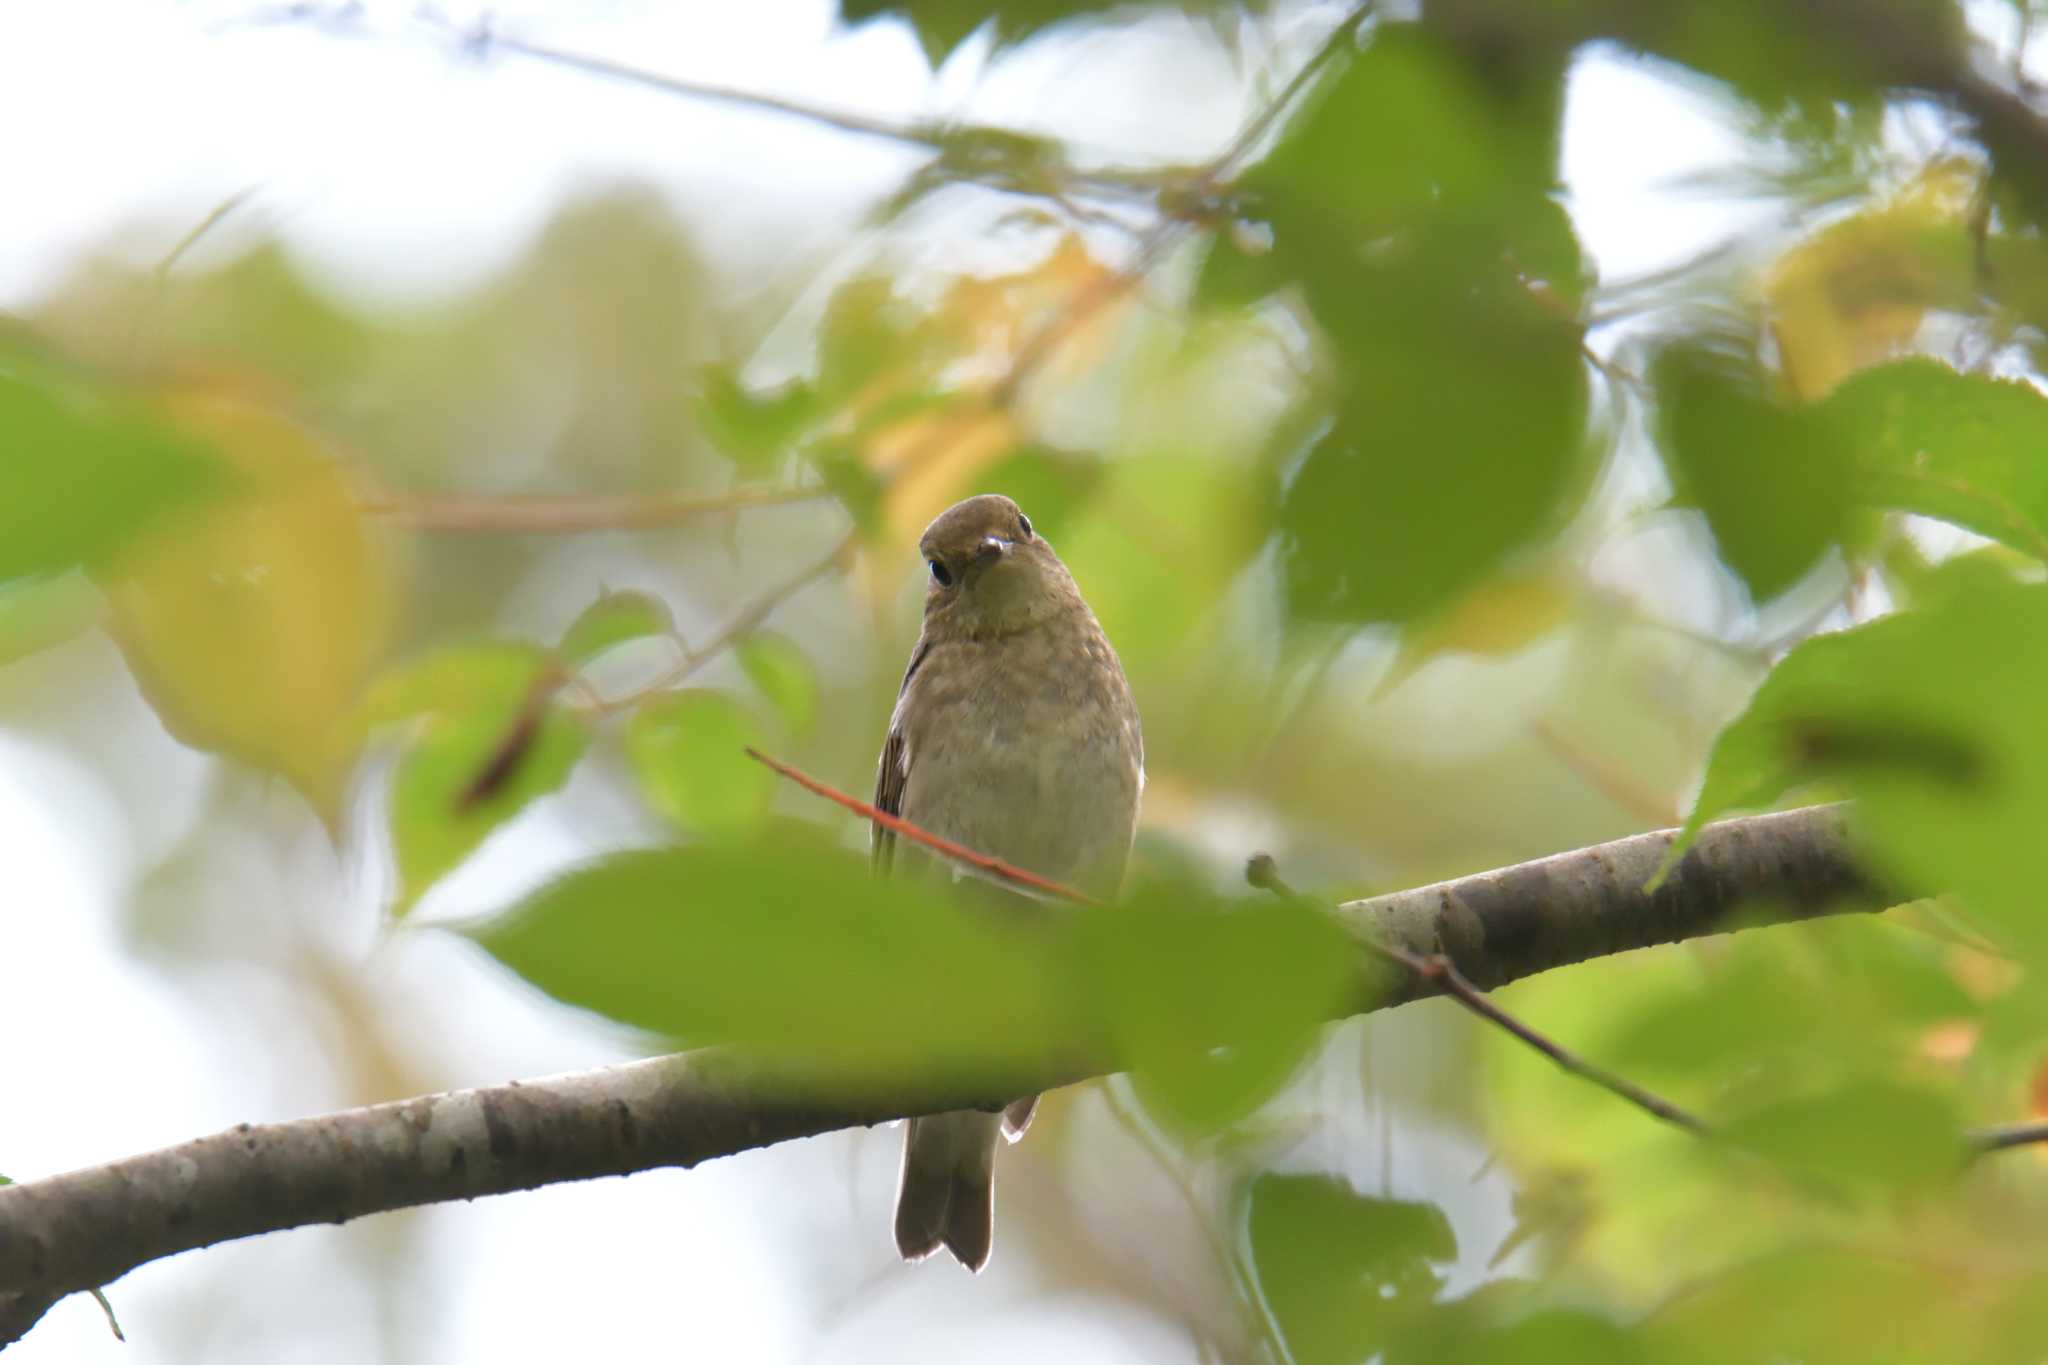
(992,548)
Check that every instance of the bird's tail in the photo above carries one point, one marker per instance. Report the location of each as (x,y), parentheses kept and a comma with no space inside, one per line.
(948,1195)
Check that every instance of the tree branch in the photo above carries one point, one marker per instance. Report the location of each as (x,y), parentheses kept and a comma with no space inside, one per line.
(73,1232)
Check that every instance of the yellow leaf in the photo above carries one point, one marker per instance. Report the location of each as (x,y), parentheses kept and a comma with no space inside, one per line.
(1055,316)
(1502,616)
(252,623)
(1855,292)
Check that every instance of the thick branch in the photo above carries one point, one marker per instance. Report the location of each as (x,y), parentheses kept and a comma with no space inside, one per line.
(72,1232)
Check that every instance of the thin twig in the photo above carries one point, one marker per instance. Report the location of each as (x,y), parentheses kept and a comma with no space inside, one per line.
(926,134)
(2006,1136)
(1248,137)
(1438,970)
(1252,1312)
(744,623)
(896,824)
(577,511)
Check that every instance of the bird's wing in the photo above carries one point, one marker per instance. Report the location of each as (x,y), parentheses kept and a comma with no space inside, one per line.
(889,775)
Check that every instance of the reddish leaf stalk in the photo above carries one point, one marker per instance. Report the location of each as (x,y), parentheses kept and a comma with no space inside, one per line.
(896,824)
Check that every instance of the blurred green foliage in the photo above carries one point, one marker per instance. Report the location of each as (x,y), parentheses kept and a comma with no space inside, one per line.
(1425,546)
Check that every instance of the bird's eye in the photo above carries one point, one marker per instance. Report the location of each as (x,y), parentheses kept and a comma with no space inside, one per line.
(1024,525)
(941,575)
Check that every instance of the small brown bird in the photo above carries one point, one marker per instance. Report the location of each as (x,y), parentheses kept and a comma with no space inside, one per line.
(1015,735)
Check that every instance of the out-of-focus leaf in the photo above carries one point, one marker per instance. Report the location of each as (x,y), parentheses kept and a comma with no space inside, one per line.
(1929,719)
(1261,977)
(253,622)
(1920,582)
(1157,546)
(1855,292)
(1880,1136)
(866,331)
(942,25)
(787,942)
(1772,481)
(790,944)
(688,751)
(1502,616)
(1821,1307)
(757,432)
(782,671)
(1411,209)
(36,613)
(488,738)
(1962,447)
(85,470)
(1482,1327)
(1342,1272)
(615,619)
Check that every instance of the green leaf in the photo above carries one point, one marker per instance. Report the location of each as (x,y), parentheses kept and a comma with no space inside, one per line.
(1261,977)
(1931,719)
(1410,209)
(1876,1135)
(492,739)
(36,613)
(1772,481)
(1825,1306)
(688,751)
(84,470)
(783,673)
(1962,447)
(615,619)
(757,432)
(789,944)
(1343,1272)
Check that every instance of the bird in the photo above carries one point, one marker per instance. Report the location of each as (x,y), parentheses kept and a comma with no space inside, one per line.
(1014,734)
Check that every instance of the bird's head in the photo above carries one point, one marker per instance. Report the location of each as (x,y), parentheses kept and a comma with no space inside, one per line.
(991,573)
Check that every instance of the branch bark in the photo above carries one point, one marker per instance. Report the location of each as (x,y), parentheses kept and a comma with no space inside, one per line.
(73,1232)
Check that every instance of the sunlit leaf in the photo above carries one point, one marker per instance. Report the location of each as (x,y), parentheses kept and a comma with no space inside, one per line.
(1963,447)
(1855,292)
(488,737)
(1772,481)
(784,675)
(253,622)
(615,619)
(689,754)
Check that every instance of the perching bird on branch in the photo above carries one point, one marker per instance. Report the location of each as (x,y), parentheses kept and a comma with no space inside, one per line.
(1015,735)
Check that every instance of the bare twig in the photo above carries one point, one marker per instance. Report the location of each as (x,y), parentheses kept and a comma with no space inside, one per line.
(896,824)
(744,623)
(577,511)
(1437,970)
(2005,1137)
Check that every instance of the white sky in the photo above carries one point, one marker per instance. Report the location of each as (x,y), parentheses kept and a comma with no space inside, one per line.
(398,170)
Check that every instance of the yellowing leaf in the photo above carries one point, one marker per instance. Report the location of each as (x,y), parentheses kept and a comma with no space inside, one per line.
(929,461)
(1855,292)
(1501,616)
(1054,316)
(252,621)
